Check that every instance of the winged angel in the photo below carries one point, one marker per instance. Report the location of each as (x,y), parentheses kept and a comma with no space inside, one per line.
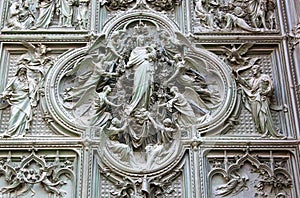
(141,76)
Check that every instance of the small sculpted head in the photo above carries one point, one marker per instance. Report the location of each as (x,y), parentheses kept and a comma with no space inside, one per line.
(174,89)
(107,89)
(167,122)
(115,122)
(256,70)
(42,48)
(22,71)
(140,40)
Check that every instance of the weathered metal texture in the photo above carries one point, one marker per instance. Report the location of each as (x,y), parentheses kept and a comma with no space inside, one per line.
(142,98)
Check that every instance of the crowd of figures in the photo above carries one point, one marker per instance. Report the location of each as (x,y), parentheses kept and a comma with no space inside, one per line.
(227,15)
(139,89)
(42,14)
(144,91)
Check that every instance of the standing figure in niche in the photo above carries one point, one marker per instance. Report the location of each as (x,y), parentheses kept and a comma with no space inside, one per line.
(101,105)
(206,17)
(271,14)
(46,11)
(65,12)
(82,17)
(37,63)
(257,10)
(257,91)
(19,94)
(142,60)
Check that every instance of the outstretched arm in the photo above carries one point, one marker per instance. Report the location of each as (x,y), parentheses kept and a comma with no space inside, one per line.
(173,76)
(111,104)
(156,125)
(240,79)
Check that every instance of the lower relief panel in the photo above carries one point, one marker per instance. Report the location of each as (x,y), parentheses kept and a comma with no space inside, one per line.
(38,173)
(110,183)
(249,173)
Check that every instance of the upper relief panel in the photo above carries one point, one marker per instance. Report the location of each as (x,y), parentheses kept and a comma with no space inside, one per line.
(160,5)
(112,8)
(46,14)
(234,16)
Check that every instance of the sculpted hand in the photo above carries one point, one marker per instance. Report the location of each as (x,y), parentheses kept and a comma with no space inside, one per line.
(5,95)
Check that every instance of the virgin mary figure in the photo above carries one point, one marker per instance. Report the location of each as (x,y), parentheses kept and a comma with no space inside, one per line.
(142,60)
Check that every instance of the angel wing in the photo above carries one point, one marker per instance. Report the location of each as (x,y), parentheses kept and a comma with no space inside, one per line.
(86,62)
(99,43)
(234,55)
(194,99)
(86,95)
(180,42)
(227,50)
(198,64)
(243,48)
(252,61)
(31,48)
(183,39)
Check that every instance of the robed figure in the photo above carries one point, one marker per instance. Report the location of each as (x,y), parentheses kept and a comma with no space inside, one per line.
(142,60)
